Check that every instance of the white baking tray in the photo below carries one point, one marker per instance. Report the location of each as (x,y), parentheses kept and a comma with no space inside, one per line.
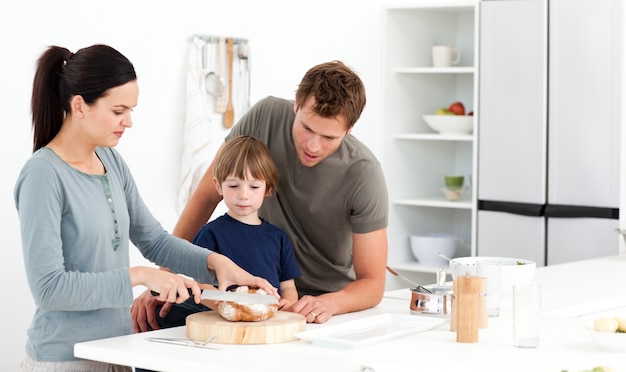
(370,330)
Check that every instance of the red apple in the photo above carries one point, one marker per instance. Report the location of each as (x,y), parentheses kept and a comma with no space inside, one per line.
(457,108)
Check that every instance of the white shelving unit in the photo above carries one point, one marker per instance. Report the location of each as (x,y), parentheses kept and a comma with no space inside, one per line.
(417,158)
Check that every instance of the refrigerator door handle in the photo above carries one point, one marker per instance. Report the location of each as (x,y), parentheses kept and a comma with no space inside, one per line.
(574,211)
(524,209)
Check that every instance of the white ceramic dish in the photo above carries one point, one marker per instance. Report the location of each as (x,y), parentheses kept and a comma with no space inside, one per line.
(512,271)
(608,340)
(450,124)
(370,330)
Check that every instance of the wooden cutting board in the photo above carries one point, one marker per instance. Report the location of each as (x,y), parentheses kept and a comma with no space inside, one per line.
(280,328)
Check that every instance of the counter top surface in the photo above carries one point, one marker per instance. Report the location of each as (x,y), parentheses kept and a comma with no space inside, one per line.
(573,295)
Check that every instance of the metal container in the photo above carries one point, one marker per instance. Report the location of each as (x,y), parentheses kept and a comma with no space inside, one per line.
(438,303)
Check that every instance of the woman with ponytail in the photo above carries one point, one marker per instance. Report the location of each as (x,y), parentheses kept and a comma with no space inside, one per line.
(79,208)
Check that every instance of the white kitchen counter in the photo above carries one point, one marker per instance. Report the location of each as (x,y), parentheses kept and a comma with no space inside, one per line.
(583,287)
(574,294)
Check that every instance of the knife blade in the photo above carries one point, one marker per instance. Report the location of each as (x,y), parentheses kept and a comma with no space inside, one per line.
(246,298)
(250,298)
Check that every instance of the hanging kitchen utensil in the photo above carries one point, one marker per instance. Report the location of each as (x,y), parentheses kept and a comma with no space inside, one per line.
(221,101)
(213,83)
(229,115)
(203,63)
(243,54)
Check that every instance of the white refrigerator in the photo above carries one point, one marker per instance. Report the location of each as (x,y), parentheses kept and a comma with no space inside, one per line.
(549,129)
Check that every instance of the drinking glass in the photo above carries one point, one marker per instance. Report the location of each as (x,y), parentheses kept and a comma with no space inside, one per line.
(526,315)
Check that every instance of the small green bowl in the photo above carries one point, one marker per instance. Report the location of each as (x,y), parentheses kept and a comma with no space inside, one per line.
(454,181)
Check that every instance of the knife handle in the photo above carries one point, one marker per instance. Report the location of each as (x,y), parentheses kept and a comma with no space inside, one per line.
(155,293)
(230,288)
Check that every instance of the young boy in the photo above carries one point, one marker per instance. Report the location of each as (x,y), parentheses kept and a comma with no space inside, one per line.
(244,175)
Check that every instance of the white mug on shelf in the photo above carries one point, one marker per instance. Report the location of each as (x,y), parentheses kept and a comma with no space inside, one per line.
(444,56)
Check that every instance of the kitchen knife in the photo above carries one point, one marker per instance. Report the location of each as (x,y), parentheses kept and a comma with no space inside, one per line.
(248,298)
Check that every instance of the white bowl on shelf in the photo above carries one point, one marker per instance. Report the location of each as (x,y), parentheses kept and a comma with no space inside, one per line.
(425,248)
(450,124)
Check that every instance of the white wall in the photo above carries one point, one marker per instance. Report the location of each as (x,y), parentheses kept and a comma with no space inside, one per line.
(154,39)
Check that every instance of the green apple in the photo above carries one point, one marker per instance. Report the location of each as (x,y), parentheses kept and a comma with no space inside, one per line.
(442,111)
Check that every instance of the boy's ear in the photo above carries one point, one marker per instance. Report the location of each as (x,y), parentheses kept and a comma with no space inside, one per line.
(217,185)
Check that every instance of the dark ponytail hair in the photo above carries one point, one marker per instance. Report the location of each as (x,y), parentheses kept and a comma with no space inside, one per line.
(61,74)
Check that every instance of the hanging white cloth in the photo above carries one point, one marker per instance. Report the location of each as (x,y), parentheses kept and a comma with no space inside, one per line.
(196,151)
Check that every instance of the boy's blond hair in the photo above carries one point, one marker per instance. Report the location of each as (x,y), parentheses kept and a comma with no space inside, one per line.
(246,154)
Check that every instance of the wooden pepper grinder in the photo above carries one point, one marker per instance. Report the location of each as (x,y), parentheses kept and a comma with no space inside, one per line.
(467,290)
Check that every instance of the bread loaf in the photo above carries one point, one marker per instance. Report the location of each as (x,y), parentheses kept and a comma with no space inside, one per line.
(246,312)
